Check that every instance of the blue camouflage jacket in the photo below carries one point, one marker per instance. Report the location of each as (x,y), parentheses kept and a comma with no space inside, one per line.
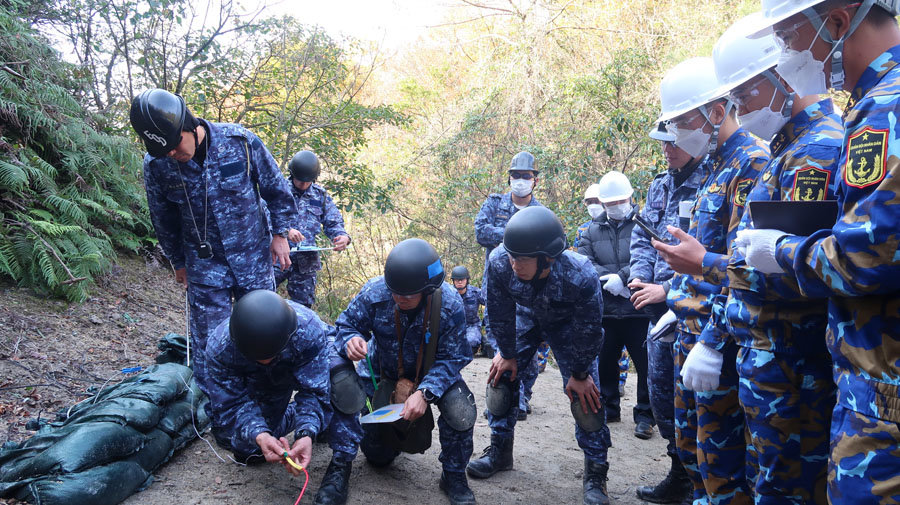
(471,300)
(768,311)
(579,232)
(317,211)
(569,307)
(371,315)
(856,263)
(233,222)
(661,210)
(492,218)
(718,210)
(242,391)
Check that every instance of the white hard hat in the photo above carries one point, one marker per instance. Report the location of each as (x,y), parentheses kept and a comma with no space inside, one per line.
(688,85)
(593,191)
(739,58)
(775,11)
(661,133)
(614,186)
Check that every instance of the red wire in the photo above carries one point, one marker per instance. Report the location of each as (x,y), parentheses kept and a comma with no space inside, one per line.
(304,487)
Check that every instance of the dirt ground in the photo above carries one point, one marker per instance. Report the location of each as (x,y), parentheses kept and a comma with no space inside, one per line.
(67,348)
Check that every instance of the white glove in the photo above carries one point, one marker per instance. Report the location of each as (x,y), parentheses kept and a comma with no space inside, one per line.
(662,325)
(615,285)
(702,368)
(758,248)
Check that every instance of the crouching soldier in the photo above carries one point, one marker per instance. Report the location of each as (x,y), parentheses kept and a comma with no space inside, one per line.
(418,325)
(267,350)
(544,293)
(472,298)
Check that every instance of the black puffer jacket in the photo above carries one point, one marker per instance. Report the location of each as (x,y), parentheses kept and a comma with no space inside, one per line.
(607,244)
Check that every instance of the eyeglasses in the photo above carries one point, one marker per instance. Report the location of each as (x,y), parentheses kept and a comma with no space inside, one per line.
(516,174)
(746,92)
(684,122)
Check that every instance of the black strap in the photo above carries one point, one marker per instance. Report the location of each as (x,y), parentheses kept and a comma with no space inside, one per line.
(434,327)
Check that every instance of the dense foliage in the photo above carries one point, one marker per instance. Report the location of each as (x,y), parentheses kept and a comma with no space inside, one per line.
(69,194)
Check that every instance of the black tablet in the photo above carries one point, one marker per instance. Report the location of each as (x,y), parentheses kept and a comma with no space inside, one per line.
(796,217)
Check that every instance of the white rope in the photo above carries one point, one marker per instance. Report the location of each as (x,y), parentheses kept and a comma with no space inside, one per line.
(187,325)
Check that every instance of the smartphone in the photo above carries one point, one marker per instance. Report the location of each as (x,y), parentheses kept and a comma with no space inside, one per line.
(638,220)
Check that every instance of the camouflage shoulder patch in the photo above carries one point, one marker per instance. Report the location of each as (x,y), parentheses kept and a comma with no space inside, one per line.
(810,183)
(866,158)
(741,191)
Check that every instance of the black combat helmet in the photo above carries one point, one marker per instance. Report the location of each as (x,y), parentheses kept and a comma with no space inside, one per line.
(261,324)
(159,117)
(413,266)
(534,231)
(304,166)
(459,272)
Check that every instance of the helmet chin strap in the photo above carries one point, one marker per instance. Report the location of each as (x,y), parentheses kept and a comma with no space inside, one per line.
(714,138)
(789,96)
(542,263)
(836,80)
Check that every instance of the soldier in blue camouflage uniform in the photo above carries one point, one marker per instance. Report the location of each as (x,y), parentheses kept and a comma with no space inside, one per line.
(472,298)
(671,195)
(735,160)
(538,291)
(854,263)
(403,297)
(489,225)
(204,184)
(317,213)
(268,376)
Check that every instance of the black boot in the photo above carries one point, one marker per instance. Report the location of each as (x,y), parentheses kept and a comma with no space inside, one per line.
(595,483)
(496,457)
(456,487)
(673,489)
(336,484)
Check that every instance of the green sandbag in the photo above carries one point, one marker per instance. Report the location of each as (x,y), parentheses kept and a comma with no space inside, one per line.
(157,449)
(102,485)
(135,412)
(159,384)
(177,415)
(86,446)
(172,349)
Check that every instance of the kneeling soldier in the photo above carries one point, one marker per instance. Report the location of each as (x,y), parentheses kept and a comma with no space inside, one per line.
(419,329)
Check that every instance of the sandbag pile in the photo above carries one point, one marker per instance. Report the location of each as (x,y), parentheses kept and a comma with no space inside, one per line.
(102,450)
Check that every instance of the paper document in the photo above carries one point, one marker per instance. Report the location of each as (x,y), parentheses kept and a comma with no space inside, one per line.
(309,248)
(386,414)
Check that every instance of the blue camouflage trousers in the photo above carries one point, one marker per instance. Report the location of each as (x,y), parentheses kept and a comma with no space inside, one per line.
(280,414)
(594,444)
(209,307)
(661,383)
(301,286)
(344,430)
(787,400)
(715,433)
(527,378)
(864,467)
(456,446)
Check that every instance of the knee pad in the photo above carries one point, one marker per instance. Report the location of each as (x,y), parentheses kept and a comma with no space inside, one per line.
(502,397)
(458,407)
(347,394)
(589,422)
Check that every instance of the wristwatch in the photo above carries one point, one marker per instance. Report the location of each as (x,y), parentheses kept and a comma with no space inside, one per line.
(304,433)
(428,395)
(283,234)
(579,376)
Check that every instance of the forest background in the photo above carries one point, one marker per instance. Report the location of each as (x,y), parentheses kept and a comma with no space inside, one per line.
(412,139)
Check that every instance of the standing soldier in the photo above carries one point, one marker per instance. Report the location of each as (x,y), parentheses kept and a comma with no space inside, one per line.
(472,299)
(786,388)
(607,244)
(204,183)
(854,263)
(418,325)
(708,414)
(669,200)
(538,291)
(317,211)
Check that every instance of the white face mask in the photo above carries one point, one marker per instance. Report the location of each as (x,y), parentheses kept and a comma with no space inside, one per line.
(618,211)
(765,122)
(693,142)
(595,209)
(802,71)
(521,187)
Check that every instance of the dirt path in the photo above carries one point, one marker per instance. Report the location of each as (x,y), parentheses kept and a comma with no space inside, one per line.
(73,346)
